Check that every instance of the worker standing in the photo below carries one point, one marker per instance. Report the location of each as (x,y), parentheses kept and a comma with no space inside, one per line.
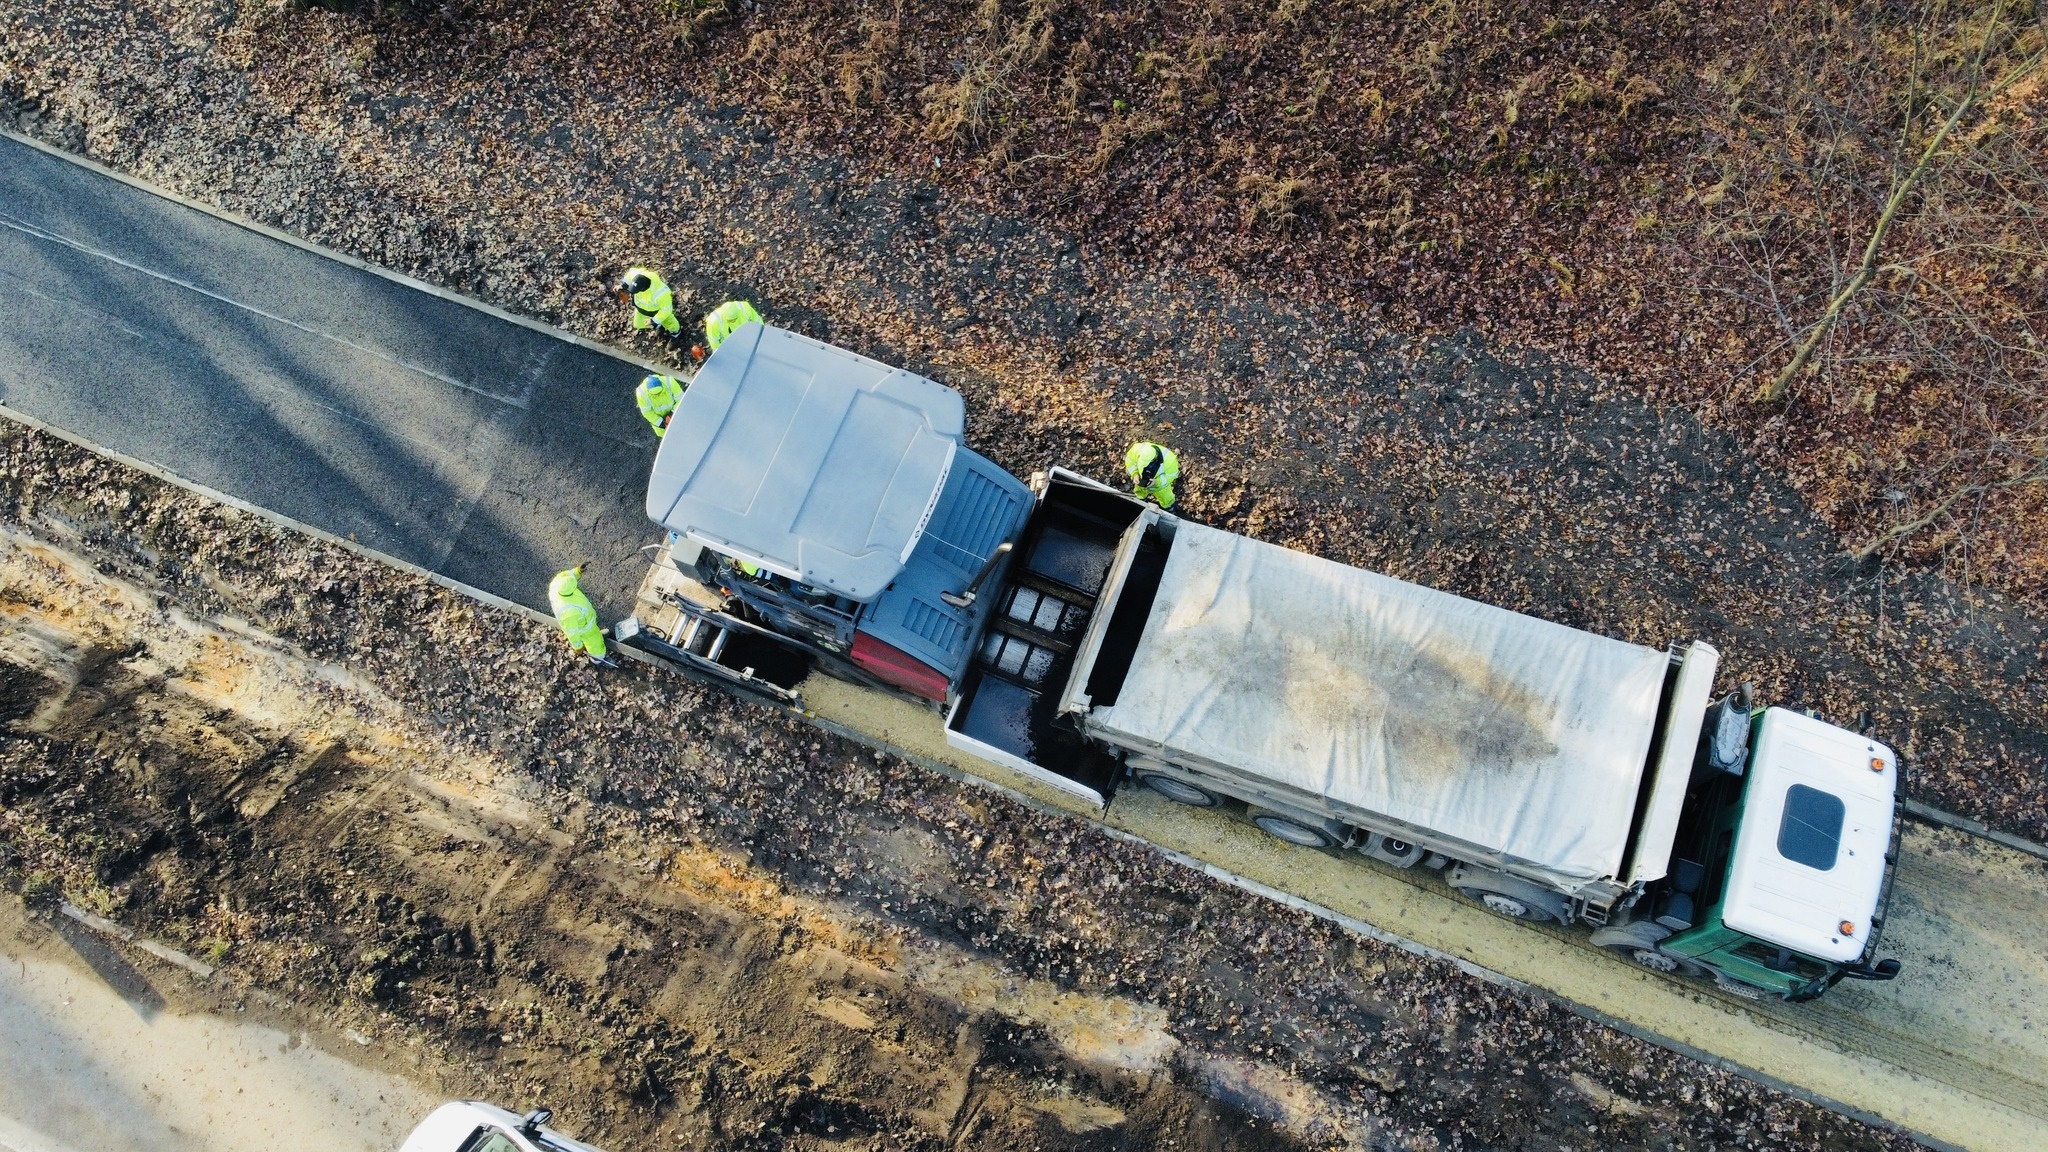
(1153,468)
(657,397)
(727,319)
(654,306)
(577,618)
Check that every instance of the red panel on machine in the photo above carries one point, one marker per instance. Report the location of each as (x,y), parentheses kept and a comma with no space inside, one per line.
(898,667)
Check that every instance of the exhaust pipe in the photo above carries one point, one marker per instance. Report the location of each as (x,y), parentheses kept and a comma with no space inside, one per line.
(965,598)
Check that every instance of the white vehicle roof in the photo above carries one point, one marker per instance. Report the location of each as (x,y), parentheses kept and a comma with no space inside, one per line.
(450,1127)
(1523,737)
(1817,820)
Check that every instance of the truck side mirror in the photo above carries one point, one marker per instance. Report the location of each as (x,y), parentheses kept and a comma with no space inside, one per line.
(535,1119)
(1886,969)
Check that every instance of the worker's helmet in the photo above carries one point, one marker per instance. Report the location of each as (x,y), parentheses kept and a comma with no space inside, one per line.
(632,282)
(656,389)
(1156,456)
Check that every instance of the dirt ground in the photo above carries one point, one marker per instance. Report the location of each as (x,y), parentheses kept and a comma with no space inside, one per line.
(683,920)
(512,156)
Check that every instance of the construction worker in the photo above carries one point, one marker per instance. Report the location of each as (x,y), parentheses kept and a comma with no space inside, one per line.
(654,306)
(657,397)
(1152,468)
(727,319)
(577,618)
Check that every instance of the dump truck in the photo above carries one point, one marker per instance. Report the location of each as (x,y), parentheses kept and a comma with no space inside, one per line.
(824,512)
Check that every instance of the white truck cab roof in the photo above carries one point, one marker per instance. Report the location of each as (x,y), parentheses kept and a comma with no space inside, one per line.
(473,1126)
(1808,862)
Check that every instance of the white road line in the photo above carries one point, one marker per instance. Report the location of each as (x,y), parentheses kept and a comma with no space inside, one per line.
(43,234)
(28,289)
(268,384)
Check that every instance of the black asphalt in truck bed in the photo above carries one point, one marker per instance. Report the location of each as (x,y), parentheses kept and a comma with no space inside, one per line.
(487,451)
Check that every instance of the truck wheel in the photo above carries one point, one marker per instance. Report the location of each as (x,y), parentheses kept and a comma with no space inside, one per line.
(1179,791)
(1512,907)
(1657,961)
(1281,828)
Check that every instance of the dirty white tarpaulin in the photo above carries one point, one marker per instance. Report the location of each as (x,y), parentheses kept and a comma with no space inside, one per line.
(1520,736)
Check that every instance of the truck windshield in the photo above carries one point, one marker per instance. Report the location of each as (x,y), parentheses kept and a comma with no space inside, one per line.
(1811,832)
(489,1140)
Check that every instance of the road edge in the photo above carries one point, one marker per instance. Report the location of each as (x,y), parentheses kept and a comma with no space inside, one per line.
(340,257)
(1928,814)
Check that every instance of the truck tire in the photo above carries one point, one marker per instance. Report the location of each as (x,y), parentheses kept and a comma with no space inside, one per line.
(1510,896)
(1531,904)
(1636,942)
(1511,906)
(1656,961)
(1179,791)
(1292,831)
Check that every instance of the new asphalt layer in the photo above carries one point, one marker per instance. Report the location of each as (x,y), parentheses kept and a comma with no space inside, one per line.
(494,453)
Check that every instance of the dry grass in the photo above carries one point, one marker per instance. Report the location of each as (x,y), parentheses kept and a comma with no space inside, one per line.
(968,107)
(1879,211)
(1280,205)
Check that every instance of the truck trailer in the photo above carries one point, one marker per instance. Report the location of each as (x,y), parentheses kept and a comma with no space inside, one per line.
(824,511)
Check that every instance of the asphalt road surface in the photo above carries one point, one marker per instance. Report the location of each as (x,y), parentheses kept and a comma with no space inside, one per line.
(419,426)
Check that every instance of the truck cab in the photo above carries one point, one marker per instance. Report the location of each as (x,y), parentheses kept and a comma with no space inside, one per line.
(1783,862)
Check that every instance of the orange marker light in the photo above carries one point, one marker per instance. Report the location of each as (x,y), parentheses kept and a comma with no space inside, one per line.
(1876,765)
(1848,927)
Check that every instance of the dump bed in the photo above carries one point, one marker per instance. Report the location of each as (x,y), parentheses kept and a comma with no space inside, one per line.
(1518,736)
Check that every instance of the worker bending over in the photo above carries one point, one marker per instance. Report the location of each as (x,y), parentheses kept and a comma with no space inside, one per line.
(654,306)
(1152,468)
(727,319)
(577,618)
(658,397)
